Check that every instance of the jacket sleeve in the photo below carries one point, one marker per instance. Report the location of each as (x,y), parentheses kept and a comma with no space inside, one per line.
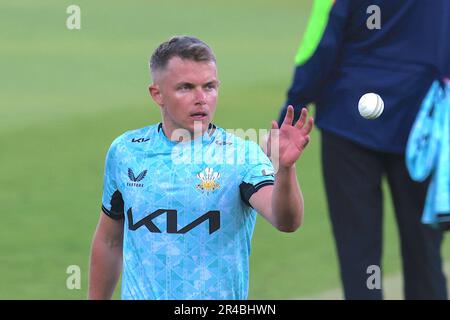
(317,53)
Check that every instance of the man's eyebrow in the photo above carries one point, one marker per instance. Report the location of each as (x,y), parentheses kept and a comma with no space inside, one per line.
(190,84)
(184,83)
(215,82)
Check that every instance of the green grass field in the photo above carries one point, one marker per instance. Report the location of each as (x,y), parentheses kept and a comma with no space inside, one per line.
(65,95)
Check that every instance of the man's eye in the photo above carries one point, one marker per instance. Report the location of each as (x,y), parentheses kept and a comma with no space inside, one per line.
(184,87)
(210,86)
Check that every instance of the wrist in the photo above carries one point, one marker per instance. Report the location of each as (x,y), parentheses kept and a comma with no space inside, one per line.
(285,169)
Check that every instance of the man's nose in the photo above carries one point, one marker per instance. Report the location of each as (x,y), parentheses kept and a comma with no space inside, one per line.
(200,96)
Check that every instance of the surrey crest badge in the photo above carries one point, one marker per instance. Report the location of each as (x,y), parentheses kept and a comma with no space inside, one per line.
(208,180)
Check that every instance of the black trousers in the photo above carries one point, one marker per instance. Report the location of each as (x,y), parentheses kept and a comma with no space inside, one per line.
(353,175)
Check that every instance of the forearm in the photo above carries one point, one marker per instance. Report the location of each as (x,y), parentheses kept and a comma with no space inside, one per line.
(287,200)
(105,268)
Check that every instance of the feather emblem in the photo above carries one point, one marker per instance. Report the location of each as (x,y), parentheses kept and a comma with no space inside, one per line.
(208,180)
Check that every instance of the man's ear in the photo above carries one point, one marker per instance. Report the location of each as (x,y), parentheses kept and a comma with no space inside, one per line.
(155,92)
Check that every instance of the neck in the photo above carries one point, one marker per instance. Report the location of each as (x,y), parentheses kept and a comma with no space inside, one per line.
(182,134)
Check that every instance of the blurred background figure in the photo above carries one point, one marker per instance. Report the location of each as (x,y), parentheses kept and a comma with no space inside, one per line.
(395,49)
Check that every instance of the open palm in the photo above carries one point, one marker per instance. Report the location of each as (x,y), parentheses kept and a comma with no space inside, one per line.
(291,139)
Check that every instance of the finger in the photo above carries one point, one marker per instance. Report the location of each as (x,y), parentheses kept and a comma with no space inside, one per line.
(273,136)
(309,126)
(301,121)
(289,116)
(307,138)
(274,125)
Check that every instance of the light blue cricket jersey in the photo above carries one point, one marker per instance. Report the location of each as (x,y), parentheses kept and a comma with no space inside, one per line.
(188,224)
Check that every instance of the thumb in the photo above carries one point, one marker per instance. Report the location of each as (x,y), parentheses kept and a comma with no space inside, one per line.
(274,124)
(269,140)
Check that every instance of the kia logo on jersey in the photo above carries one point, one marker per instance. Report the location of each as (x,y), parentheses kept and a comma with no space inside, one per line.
(212,216)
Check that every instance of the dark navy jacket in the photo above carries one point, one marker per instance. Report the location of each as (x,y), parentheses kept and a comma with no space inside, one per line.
(398,62)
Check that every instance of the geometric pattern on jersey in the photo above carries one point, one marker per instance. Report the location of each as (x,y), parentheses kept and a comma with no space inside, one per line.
(187,221)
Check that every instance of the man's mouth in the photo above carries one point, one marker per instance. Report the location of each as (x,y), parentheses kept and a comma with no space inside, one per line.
(199,116)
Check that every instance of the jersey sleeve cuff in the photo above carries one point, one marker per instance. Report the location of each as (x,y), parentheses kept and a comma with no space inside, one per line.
(111,214)
(248,189)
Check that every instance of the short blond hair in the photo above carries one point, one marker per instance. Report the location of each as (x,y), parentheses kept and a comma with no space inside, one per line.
(185,47)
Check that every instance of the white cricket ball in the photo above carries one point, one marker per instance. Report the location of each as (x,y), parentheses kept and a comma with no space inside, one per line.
(370,106)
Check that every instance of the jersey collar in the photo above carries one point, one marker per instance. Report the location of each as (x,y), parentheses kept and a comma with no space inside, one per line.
(207,137)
